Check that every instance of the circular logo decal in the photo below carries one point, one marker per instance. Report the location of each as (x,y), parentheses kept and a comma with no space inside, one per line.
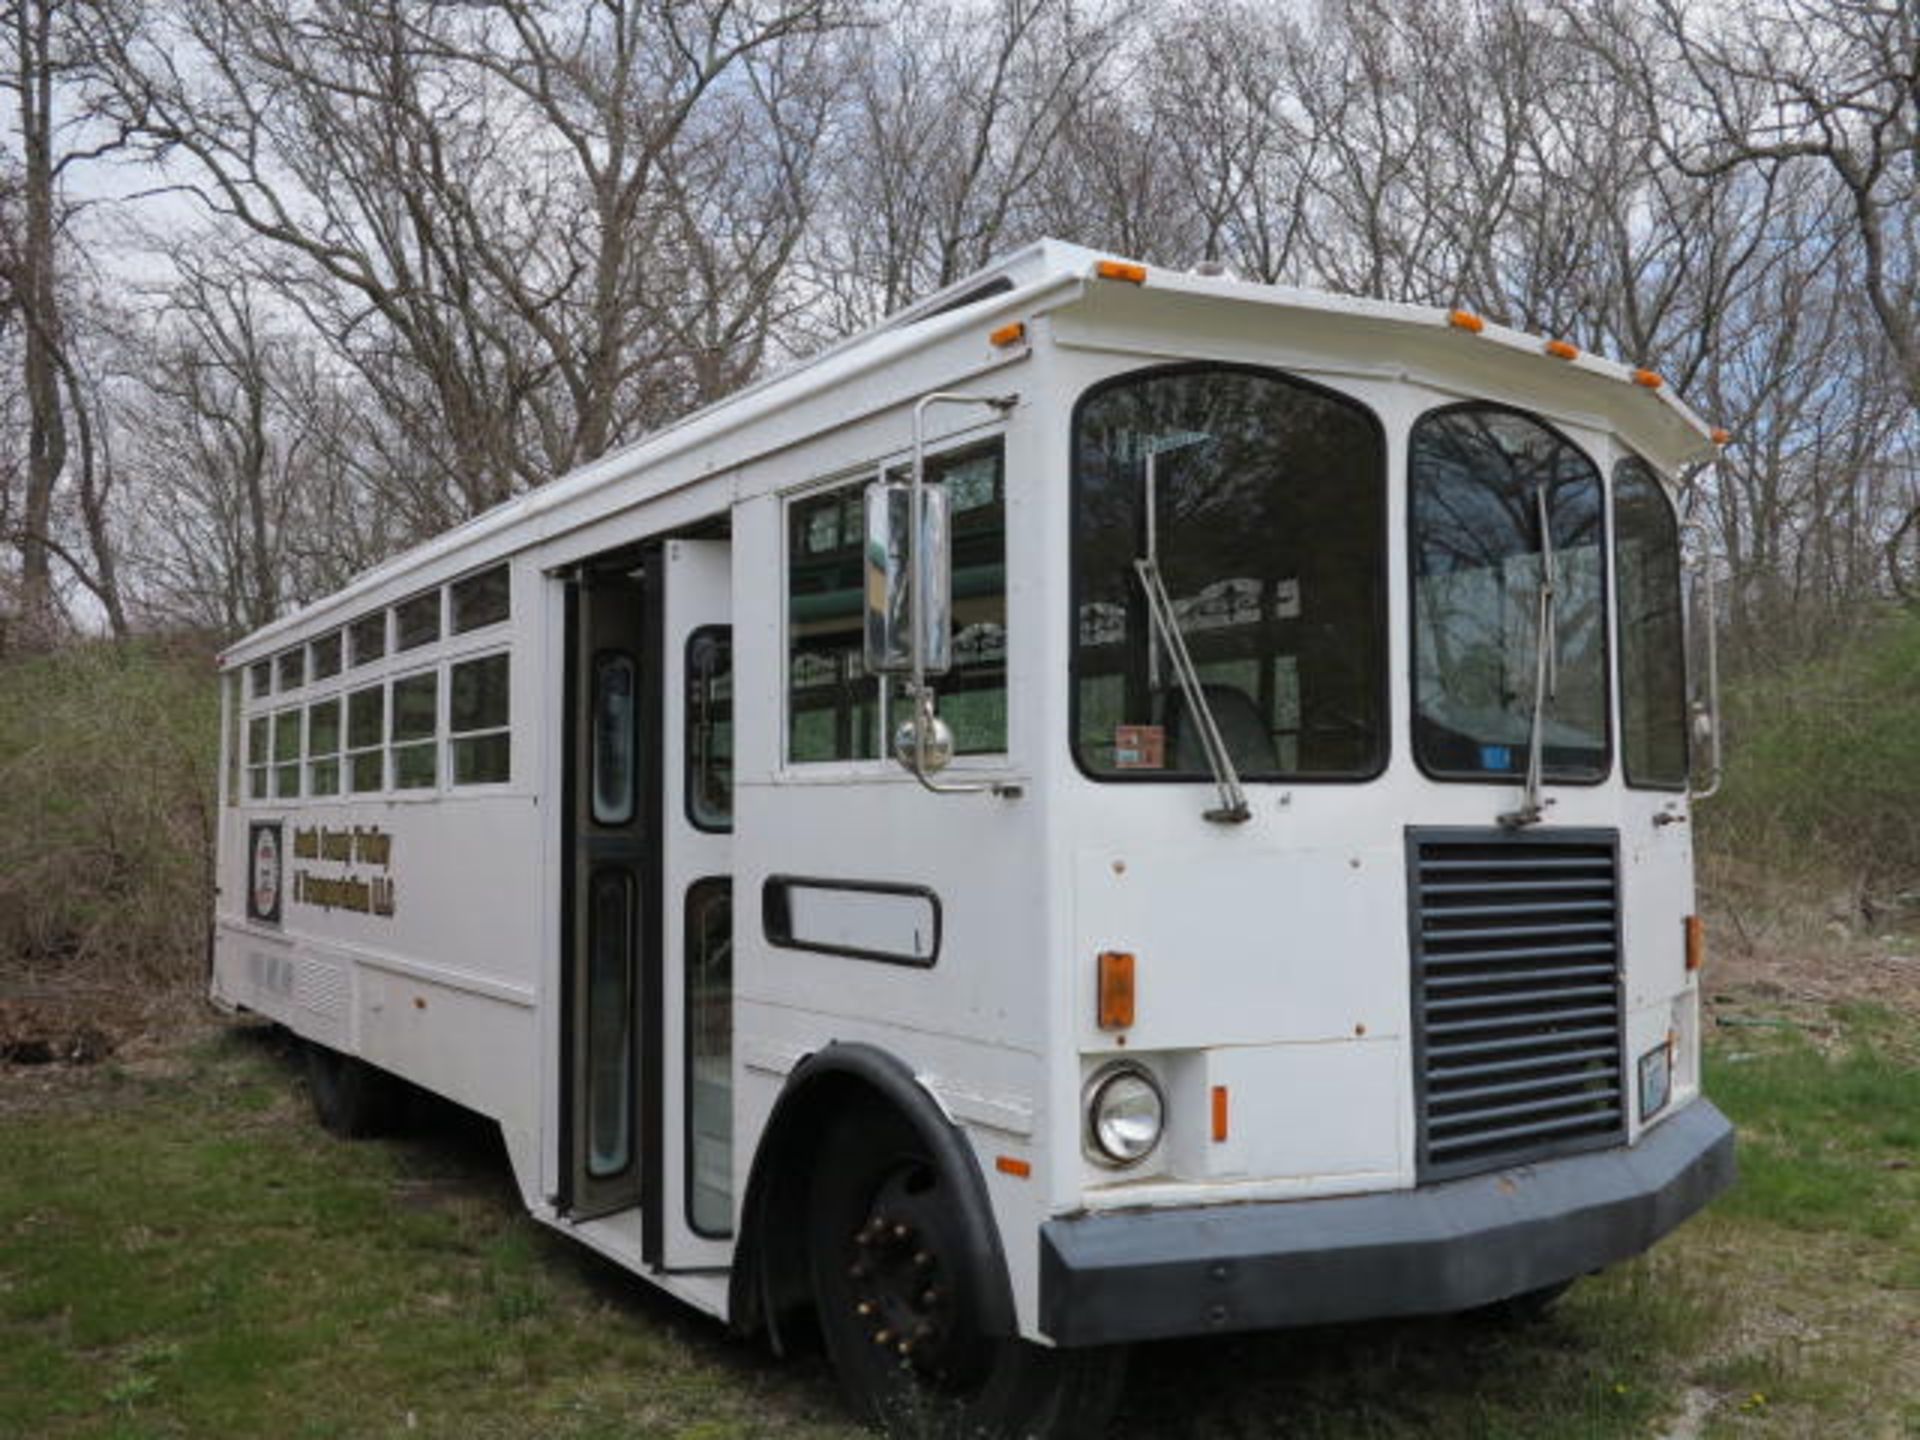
(266,871)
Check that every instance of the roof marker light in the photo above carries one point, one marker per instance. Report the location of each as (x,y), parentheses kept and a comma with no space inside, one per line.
(1466,320)
(1721,437)
(1647,379)
(1121,270)
(1561,350)
(1009,334)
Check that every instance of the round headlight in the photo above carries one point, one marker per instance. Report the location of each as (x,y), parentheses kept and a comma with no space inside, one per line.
(1124,1114)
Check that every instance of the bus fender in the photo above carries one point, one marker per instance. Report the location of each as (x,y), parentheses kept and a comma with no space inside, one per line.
(770,1283)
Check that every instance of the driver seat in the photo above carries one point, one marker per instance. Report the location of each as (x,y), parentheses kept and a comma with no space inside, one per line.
(1242,727)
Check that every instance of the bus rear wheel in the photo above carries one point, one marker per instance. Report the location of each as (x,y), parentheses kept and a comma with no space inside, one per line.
(898,1296)
(351,1098)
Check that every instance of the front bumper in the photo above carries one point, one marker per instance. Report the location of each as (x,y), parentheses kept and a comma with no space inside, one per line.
(1150,1275)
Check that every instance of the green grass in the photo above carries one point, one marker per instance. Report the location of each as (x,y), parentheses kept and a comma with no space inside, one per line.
(183,1253)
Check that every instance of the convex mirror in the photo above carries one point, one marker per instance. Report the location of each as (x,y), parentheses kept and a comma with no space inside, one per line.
(889,582)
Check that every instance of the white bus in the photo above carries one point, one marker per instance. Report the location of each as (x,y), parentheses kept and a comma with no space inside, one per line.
(1118,804)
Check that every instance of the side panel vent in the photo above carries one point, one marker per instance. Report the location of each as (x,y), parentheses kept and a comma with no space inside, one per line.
(1518,1010)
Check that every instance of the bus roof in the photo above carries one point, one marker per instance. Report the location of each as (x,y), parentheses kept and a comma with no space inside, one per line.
(1059,279)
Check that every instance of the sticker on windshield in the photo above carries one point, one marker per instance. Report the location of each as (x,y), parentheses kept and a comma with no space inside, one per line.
(1139,747)
(1496,757)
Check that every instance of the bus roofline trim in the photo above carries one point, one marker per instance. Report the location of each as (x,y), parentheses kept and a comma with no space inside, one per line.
(1433,1250)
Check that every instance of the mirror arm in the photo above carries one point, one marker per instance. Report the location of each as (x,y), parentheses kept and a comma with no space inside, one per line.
(1712,787)
(921,693)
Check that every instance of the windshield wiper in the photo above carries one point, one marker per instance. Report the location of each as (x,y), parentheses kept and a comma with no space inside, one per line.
(1232,808)
(1546,666)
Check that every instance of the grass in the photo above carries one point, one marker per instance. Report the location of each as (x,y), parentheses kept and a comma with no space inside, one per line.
(183,1253)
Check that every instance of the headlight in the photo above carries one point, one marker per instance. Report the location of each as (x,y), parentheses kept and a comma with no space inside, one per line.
(1124,1114)
(1656,1079)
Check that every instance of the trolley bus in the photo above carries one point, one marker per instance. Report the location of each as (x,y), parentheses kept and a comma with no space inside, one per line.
(1118,804)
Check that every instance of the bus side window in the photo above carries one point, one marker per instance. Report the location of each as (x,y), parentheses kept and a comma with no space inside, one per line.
(709,720)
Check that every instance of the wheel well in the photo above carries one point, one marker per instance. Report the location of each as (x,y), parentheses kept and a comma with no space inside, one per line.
(770,1287)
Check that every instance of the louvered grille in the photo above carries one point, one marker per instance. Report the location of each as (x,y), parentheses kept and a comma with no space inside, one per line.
(1517,998)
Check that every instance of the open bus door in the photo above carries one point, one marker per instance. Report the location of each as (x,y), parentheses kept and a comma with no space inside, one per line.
(648,1057)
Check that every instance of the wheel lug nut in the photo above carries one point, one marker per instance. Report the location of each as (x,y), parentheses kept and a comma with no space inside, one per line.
(923,1259)
(900,1232)
(883,1337)
(857,1271)
(931,1297)
(863,1309)
(905,1347)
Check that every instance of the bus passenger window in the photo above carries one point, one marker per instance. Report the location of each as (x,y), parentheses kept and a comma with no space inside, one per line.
(416,622)
(477,720)
(613,738)
(709,725)
(1263,499)
(366,733)
(833,705)
(479,599)
(367,637)
(323,747)
(260,678)
(710,1057)
(326,656)
(293,669)
(257,758)
(415,716)
(286,755)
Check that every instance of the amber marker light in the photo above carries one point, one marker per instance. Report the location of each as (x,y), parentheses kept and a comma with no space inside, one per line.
(1116,990)
(1466,320)
(1008,1165)
(1121,270)
(1721,437)
(1007,335)
(1696,943)
(1561,350)
(1219,1114)
(1647,380)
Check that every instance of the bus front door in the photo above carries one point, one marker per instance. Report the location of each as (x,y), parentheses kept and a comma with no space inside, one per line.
(693,1223)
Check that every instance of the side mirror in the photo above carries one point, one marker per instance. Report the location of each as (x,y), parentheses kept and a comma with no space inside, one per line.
(890,579)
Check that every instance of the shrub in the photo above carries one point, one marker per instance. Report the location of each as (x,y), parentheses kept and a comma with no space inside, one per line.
(107,761)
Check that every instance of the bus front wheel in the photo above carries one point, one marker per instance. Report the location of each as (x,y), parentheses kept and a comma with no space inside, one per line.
(898,1296)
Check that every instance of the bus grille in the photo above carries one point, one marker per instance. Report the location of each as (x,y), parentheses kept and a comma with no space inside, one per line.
(1517,1003)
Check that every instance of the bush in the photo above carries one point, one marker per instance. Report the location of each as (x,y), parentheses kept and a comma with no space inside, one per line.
(107,767)
(1823,766)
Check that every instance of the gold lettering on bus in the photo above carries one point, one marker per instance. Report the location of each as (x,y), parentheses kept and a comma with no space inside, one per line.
(359,894)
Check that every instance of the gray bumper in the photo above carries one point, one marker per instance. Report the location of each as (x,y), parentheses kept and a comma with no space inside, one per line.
(1148,1275)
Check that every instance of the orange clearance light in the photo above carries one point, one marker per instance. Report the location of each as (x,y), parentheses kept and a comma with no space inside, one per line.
(1007,335)
(1722,437)
(1116,990)
(1219,1113)
(1121,270)
(1696,942)
(1008,1165)
(1561,350)
(1466,320)
(1647,379)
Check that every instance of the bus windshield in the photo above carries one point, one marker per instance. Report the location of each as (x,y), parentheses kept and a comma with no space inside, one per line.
(1266,502)
(1476,473)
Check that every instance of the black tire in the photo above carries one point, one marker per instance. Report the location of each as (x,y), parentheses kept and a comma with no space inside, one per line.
(899,1297)
(350,1097)
(1530,1307)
